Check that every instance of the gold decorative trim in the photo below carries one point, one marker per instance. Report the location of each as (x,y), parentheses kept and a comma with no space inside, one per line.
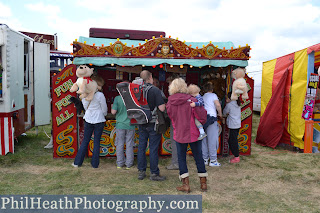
(161,48)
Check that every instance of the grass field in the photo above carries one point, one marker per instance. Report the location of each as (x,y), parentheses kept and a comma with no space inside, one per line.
(266,181)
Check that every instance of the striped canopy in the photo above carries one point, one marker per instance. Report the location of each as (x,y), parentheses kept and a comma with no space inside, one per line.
(283,90)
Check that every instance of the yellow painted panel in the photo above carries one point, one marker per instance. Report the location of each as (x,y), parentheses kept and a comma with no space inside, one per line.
(266,83)
(296,124)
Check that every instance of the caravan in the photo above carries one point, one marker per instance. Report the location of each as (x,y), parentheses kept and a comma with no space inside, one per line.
(24,86)
(256,76)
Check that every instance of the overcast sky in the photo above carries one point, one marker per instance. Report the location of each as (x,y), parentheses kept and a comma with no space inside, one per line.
(271,27)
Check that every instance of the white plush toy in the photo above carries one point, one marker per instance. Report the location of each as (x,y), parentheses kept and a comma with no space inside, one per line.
(239,86)
(87,87)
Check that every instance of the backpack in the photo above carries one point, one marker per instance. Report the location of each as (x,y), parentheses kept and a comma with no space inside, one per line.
(134,97)
(162,121)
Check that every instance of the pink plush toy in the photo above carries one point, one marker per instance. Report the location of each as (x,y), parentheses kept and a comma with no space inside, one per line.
(239,86)
(87,87)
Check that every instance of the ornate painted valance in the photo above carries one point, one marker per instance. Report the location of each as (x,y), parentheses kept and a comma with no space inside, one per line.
(157,51)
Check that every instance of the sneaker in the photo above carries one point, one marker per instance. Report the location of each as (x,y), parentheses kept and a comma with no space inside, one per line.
(156,177)
(235,160)
(206,162)
(214,163)
(74,165)
(173,167)
(141,175)
(119,167)
(127,168)
(202,136)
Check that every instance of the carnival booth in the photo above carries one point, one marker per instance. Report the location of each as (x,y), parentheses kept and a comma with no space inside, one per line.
(288,93)
(118,60)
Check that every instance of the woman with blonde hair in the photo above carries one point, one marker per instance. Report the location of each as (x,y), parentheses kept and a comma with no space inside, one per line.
(183,116)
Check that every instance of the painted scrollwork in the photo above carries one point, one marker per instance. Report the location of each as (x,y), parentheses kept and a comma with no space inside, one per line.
(161,48)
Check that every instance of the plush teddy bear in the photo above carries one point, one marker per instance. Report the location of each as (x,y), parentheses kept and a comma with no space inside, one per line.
(239,86)
(87,87)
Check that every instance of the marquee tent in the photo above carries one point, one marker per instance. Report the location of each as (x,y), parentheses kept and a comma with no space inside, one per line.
(283,90)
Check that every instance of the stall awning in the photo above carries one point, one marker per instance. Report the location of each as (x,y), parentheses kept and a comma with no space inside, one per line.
(101,51)
(61,55)
(98,61)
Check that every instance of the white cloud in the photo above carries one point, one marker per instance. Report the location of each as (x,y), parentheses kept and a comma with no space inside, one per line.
(41,7)
(5,11)
(6,17)
(272,28)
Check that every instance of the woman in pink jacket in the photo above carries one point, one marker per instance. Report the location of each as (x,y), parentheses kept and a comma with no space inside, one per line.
(185,131)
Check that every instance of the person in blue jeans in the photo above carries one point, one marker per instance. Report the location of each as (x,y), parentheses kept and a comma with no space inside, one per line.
(146,131)
(186,133)
(94,118)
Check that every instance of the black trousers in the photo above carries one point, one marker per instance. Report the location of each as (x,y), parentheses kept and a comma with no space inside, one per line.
(233,141)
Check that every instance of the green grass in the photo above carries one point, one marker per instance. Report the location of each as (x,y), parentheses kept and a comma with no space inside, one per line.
(266,181)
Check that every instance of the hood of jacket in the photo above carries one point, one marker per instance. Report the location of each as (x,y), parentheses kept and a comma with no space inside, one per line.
(182,118)
(180,98)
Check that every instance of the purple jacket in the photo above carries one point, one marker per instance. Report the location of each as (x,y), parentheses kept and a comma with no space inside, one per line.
(182,117)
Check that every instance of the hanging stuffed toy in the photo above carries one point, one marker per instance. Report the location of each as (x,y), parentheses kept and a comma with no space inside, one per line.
(87,87)
(239,86)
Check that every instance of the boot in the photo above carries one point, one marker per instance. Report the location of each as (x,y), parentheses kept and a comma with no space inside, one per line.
(185,185)
(203,184)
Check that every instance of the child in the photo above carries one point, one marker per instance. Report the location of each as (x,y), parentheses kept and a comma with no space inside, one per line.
(233,111)
(194,91)
(124,134)
(210,144)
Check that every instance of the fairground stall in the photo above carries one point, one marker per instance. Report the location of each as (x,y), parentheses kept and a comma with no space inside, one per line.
(289,110)
(117,60)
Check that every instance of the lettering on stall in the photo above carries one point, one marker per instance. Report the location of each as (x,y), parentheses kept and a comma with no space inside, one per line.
(63,117)
(63,88)
(67,73)
(40,39)
(246,113)
(63,102)
(245,102)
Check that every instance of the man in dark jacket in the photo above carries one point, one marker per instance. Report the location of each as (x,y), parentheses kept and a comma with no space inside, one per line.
(146,131)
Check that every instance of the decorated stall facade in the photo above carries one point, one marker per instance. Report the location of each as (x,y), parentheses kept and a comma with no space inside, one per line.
(283,94)
(117,60)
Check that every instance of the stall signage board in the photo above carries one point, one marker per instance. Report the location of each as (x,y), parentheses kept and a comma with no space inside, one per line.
(42,38)
(309,100)
(64,114)
(245,132)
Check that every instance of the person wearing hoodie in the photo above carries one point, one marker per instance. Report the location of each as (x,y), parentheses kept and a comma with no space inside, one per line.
(233,111)
(182,117)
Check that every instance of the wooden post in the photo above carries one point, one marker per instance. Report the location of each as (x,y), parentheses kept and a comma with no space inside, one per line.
(308,136)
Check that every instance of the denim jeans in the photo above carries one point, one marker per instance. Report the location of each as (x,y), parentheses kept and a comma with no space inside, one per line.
(146,132)
(88,130)
(197,155)
(174,157)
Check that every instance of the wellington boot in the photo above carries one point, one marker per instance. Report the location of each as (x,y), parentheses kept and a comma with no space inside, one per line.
(203,184)
(185,185)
